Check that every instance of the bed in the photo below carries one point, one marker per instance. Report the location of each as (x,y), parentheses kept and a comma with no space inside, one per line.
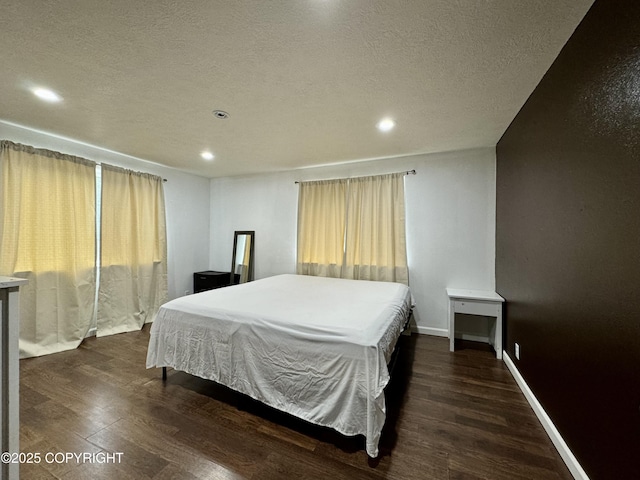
(317,348)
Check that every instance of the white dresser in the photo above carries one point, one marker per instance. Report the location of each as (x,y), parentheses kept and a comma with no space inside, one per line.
(10,368)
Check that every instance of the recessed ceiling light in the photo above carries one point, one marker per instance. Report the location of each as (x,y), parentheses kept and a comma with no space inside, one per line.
(220,114)
(47,95)
(386,124)
(207,155)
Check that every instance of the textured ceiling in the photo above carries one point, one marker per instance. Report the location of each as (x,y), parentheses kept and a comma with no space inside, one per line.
(304,81)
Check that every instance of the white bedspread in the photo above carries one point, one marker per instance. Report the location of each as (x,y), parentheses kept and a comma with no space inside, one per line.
(314,347)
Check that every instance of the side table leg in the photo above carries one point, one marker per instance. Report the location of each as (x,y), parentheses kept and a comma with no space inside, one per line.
(452,326)
(498,339)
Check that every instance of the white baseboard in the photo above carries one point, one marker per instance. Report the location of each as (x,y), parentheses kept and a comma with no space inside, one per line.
(436,332)
(571,461)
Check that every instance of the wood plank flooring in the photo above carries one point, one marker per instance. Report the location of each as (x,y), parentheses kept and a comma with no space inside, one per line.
(450,416)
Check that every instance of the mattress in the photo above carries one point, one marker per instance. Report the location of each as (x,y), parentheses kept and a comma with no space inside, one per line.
(314,347)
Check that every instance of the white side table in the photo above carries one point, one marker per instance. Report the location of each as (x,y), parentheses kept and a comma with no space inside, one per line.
(10,369)
(476,302)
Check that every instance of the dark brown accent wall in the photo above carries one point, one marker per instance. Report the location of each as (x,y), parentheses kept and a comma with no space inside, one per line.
(568,240)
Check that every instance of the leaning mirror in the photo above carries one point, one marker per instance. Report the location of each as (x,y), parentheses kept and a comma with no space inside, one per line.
(242,260)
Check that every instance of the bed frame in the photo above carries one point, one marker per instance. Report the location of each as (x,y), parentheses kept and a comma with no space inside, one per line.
(354,357)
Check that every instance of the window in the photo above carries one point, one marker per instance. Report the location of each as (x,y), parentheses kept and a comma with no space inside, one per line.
(353,228)
(52,234)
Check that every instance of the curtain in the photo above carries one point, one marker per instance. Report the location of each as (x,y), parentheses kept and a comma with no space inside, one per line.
(47,235)
(375,245)
(322,210)
(133,280)
(353,228)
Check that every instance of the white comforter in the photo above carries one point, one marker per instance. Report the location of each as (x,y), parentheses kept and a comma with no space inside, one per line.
(314,347)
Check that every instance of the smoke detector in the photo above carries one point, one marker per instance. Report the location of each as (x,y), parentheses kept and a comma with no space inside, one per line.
(221,114)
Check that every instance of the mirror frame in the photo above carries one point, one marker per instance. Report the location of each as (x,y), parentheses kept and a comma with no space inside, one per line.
(251,234)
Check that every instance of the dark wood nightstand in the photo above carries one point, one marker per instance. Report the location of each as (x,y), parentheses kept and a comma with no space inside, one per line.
(209,279)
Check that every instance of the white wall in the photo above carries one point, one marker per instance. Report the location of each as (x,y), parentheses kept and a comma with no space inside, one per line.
(186,199)
(450,210)
(450,218)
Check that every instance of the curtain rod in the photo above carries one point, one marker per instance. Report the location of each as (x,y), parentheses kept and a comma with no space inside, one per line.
(408,172)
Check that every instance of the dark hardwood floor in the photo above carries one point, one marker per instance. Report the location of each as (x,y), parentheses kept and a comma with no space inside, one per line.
(450,416)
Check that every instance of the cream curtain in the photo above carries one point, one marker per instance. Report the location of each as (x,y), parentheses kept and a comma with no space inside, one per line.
(322,209)
(133,280)
(353,228)
(375,237)
(47,235)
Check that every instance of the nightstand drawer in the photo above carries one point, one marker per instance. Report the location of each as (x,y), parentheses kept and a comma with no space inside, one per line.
(472,307)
